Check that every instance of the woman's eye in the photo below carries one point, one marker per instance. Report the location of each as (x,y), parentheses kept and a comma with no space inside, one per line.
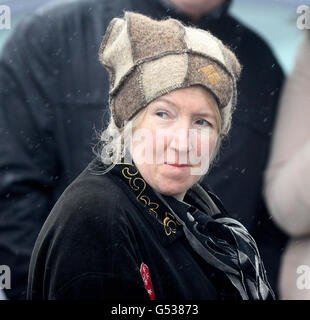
(162,114)
(203,122)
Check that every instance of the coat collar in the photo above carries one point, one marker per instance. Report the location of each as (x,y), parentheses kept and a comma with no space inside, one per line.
(158,214)
(158,209)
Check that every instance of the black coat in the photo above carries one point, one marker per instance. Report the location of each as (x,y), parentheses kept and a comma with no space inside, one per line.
(53,95)
(110,236)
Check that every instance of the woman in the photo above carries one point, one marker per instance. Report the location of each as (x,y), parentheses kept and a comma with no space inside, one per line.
(136,224)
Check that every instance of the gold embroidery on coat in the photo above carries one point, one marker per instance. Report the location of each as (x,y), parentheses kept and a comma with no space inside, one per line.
(133,182)
(153,206)
(130,176)
(170,223)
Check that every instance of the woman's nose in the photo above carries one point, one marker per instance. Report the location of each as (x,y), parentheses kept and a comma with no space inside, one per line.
(181,141)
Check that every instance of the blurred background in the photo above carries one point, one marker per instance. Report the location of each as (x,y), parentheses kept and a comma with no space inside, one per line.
(274,20)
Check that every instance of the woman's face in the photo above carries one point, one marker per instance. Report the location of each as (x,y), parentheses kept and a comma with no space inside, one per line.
(173,142)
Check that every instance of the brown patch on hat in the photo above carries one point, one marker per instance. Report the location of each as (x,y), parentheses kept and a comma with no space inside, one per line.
(206,72)
(128,99)
(150,38)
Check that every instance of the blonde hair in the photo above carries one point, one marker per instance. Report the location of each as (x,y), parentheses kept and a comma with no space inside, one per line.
(113,144)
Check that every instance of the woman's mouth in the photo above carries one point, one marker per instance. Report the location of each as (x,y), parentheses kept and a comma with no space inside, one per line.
(177,165)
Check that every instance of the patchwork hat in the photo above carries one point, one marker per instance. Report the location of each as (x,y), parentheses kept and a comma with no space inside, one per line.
(147,58)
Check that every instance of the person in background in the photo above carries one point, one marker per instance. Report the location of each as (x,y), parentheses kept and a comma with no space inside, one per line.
(52,97)
(287,178)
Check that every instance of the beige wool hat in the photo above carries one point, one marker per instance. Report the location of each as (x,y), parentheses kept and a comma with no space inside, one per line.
(146,59)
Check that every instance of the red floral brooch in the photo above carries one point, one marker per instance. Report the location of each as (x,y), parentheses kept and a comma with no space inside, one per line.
(145,273)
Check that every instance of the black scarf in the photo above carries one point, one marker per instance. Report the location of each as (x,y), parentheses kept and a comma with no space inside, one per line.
(221,241)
